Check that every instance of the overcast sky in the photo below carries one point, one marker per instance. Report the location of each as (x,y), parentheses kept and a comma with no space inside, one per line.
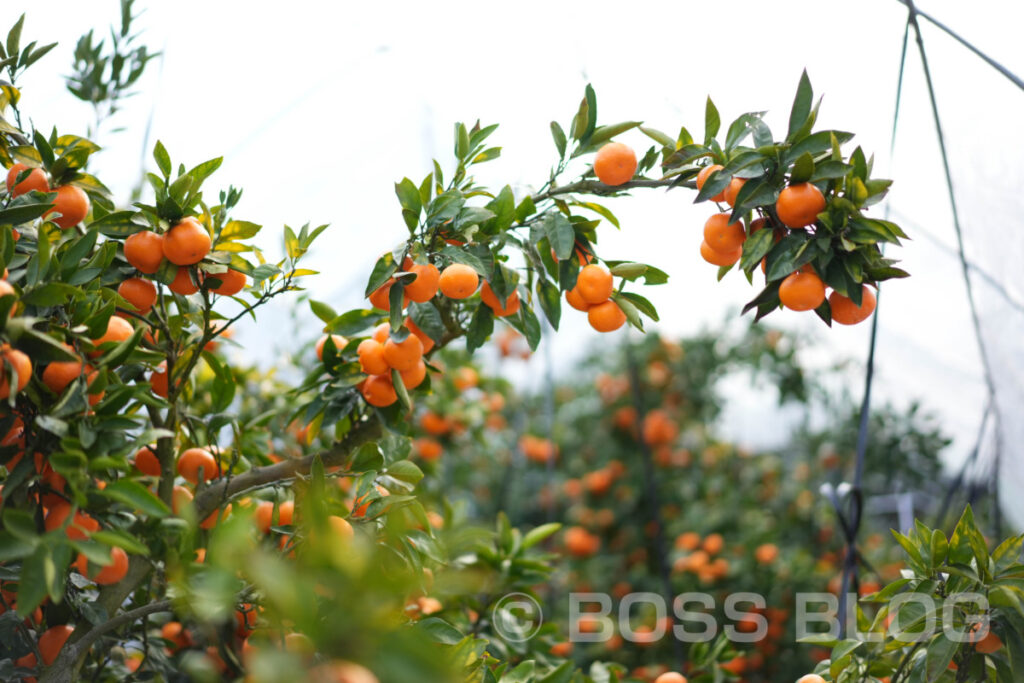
(319,107)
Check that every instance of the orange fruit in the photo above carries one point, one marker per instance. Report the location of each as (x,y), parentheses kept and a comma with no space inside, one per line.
(659,428)
(118,329)
(112,573)
(404,355)
(615,163)
(427,342)
(466,378)
(491,299)
(606,316)
(378,391)
(339,344)
(371,357)
(845,312)
(799,205)
(5,289)
(59,374)
(733,189)
(51,642)
(192,459)
(187,242)
(146,461)
(458,281)
(381,297)
(424,287)
(35,180)
(802,291)
(670,677)
(145,251)
(713,544)
(562,649)
(811,678)
(723,236)
(73,205)
(581,543)
(231,282)
(767,553)
(341,526)
(78,529)
(718,258)
(702,178)
(428,449)
(138,292)
(688,541)
(183,283)
(265,511)
(382,332)
(435,424)
(22,365)
(413,378)
(576,301)
(177,634)
(158,380)
(594,284)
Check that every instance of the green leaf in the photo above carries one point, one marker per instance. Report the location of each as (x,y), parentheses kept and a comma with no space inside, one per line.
(550,301)
(440,631)
(405,470)
(538,534)
(428,319)
(14,548)
(117,224)
(162,158)
(352,322)
(234,231)
(121,539)
(411,201)
(136,496)
(658,136)
(20,524)
(32,586)
(559,135)
(755,248)
(606,133)
(803,169)
(480,327)
(322,311)
(712,121)
(801,106)
(642,305)
(523,673)
(940,653)
(385,267)
(559,232)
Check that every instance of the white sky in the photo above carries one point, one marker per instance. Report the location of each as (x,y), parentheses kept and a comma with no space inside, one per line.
(319,107)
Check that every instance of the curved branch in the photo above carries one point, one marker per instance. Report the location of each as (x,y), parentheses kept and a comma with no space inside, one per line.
(210,497)
(62,668)
(599,188)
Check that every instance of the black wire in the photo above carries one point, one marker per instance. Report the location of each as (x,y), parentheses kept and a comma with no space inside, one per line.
(1013,78)
(852,519)
(975,320)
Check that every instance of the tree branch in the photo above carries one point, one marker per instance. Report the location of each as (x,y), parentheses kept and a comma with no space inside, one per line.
(599,188)
(62,670)
(210,497)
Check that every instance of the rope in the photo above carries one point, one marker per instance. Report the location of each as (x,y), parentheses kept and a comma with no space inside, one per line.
(955,485)
(975,320)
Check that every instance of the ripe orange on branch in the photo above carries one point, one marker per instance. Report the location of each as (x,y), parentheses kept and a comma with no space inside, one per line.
(110,574)
(35,180)
(145,251)
(190,462)
(187,242)
(511,306)
(379,391)
(802,291)
(458,281)
(425,286)
(231,282)
(718,258)
(606,316)
(615,163)
(138,292)
(723,236)
(845,312)
(595,284)
(13,358)
(338,341)
(799,205)
(702,178)
(73,205)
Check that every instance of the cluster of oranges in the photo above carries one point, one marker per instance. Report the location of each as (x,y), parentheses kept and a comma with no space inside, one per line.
(592,295)
(797,208)
(380,354)
(184,245)
(71,201)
